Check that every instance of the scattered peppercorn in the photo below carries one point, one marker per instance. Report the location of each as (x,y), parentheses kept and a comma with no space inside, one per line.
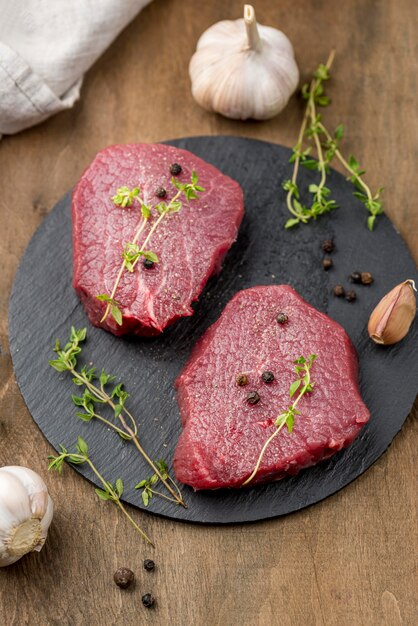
(282,318)
(351,296)
(148,600)
(355,277)
(175,169)
(326,263)
(339,291)
(366,278)
(241,380)
(148,264)
(267,377)
(160,192)
(328,245)
(123,577)
(253,397)
(149,565)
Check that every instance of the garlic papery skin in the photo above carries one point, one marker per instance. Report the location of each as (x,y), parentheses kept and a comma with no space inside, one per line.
(243,70)
(26,511)
(391,319)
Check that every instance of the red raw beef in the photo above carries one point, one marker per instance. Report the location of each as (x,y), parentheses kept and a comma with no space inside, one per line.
(222,434)
(190,244)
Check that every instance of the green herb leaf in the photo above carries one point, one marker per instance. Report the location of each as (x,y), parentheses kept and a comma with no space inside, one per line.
(103,495)
(77,400)
(145,211)
(292,222)
(124,196)
(339,132)
(294,387)
(82,446)
(116,314)
(151,256)
(290,420)
(119,487)
(58,365)
(86,417)
(370,222)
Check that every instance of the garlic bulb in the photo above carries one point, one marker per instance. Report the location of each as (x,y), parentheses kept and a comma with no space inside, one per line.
(393,316)
(243,70)
(26,511)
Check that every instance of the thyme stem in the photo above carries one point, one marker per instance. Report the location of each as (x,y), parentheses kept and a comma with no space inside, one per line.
(132,434)
(117,501)
(79,458)
(67,361)
(120,273)
(309,113)
(347,166)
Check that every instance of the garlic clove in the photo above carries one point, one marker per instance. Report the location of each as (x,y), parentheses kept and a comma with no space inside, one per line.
(35,488)
(15,506)
(243,70)
(45,523)
(392,317)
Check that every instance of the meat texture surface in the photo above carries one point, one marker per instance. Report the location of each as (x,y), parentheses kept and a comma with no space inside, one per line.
(223,434)
(190,244)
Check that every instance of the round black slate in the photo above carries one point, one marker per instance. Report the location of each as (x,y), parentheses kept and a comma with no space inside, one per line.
(43,305)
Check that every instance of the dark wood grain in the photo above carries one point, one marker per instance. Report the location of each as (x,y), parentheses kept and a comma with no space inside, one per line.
(349,560)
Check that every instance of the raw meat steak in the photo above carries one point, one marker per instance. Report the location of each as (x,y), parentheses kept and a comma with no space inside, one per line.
(190,244)
(223,434)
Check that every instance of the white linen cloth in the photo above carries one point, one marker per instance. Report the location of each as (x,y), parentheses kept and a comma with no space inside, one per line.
(45,48)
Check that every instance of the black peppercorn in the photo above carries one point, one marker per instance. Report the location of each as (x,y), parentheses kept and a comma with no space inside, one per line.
(282,318)
(355,277)
(253,397)
(175,169)
(148,600)
(351,296)
(149,565)
(241,380)
(366,278)
(328,245)
(160,192)
(267,376)
(339,291)
(123,577)
(326,263)
(148,264)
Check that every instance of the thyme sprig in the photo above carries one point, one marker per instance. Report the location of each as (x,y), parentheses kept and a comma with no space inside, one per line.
(132,251)
(327,147)
(148,483)
(302,385)
(112,493)
(97,393)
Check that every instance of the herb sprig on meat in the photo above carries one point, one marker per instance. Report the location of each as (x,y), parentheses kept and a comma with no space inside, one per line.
(132,251)
(302,385)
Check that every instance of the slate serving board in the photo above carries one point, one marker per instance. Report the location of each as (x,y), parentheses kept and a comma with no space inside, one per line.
(43,305)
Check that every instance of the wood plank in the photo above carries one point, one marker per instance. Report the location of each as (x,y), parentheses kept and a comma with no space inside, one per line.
(349,560)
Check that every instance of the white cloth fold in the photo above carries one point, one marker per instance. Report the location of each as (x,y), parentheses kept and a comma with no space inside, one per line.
(45,48)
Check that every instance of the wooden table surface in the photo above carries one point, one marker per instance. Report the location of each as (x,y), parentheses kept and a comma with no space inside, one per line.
(350,560)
